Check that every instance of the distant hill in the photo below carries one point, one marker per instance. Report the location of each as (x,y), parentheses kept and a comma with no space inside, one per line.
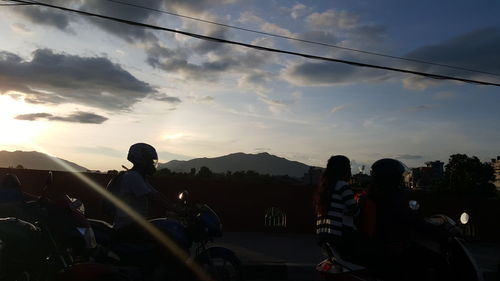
(35,160)
(262,163)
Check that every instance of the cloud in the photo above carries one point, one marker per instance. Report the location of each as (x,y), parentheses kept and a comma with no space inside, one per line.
(45,16)
(408,157)
(195,6)
(299,10)
(102,150)
(474,50)
(340,28)
(323,36)
(178,58)
(51,78)
(328,74)
(61,20)
(76,117)
(211,68)
(339,108)
(249,17)
(204,99)
(20,28)
(343,28)
(418,108)
(165,98)
(256,80)
(276,29)
(33,116)
(331,19)
(275,102)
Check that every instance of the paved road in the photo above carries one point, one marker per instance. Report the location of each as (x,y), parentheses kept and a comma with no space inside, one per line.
(278,256)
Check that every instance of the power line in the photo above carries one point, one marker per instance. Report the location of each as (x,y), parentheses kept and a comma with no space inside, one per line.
(273,50)
(304,40)
(15,4)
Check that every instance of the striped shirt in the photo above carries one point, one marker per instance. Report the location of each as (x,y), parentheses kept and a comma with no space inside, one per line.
(340,213)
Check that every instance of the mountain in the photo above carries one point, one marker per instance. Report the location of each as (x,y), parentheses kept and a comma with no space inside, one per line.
(262,163)
(35,160)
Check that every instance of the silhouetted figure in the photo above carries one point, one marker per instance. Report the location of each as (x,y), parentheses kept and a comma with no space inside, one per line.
(11,197)
(336,207)
(134,189)
(388,223)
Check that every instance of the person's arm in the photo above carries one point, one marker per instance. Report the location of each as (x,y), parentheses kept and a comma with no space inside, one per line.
(159,199)
(351,204)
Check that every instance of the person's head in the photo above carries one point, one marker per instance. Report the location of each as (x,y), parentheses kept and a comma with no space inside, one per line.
(388,174)
(338,168)
(144,158)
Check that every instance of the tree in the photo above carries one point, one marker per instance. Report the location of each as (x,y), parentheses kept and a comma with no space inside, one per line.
(192,172)
(466,175)
(204,172)
(19,166)
(164,171)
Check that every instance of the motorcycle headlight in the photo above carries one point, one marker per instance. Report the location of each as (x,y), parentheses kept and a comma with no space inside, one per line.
(88,236)
(464,218)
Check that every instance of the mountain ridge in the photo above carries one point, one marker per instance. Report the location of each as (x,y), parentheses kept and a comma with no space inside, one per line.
(36,160)
(262,163)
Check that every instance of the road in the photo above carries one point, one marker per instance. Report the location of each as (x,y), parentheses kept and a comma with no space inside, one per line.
(280,256)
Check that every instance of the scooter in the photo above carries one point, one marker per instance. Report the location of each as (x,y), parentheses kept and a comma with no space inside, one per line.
(49,242)
(193,231)
(443,238)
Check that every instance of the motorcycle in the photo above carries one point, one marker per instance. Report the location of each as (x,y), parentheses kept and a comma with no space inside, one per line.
(193,231)
(49,241)
(442,240)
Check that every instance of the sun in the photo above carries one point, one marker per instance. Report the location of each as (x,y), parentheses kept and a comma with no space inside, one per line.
(17,132)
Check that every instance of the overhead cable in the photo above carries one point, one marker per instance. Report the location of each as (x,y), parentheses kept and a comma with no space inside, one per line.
(15,4)
(257,47)
(304,40)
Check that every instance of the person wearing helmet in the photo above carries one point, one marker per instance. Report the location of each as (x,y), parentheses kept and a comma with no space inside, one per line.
(393,216)
(133,188)
(387,222)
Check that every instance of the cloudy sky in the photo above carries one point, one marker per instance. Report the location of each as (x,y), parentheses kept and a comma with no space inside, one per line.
(85,89)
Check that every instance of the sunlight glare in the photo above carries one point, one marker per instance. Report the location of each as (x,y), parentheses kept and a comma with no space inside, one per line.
(18,132)
(174,136)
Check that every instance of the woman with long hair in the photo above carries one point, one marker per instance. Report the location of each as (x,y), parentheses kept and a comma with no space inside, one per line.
(335,204)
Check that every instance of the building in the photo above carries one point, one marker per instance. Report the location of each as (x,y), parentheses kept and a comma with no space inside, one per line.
(425,177)
(495,163)
(361,181)
(313,176)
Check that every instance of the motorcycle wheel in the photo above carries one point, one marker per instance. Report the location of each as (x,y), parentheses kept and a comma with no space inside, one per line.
(222,267)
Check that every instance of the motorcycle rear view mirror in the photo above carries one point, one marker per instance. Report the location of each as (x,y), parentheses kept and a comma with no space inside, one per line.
(48,182)
(414,205)
(183,196)
(50,179)
(464,218)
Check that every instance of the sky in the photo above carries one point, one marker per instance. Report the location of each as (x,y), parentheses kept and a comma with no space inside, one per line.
(85,89)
